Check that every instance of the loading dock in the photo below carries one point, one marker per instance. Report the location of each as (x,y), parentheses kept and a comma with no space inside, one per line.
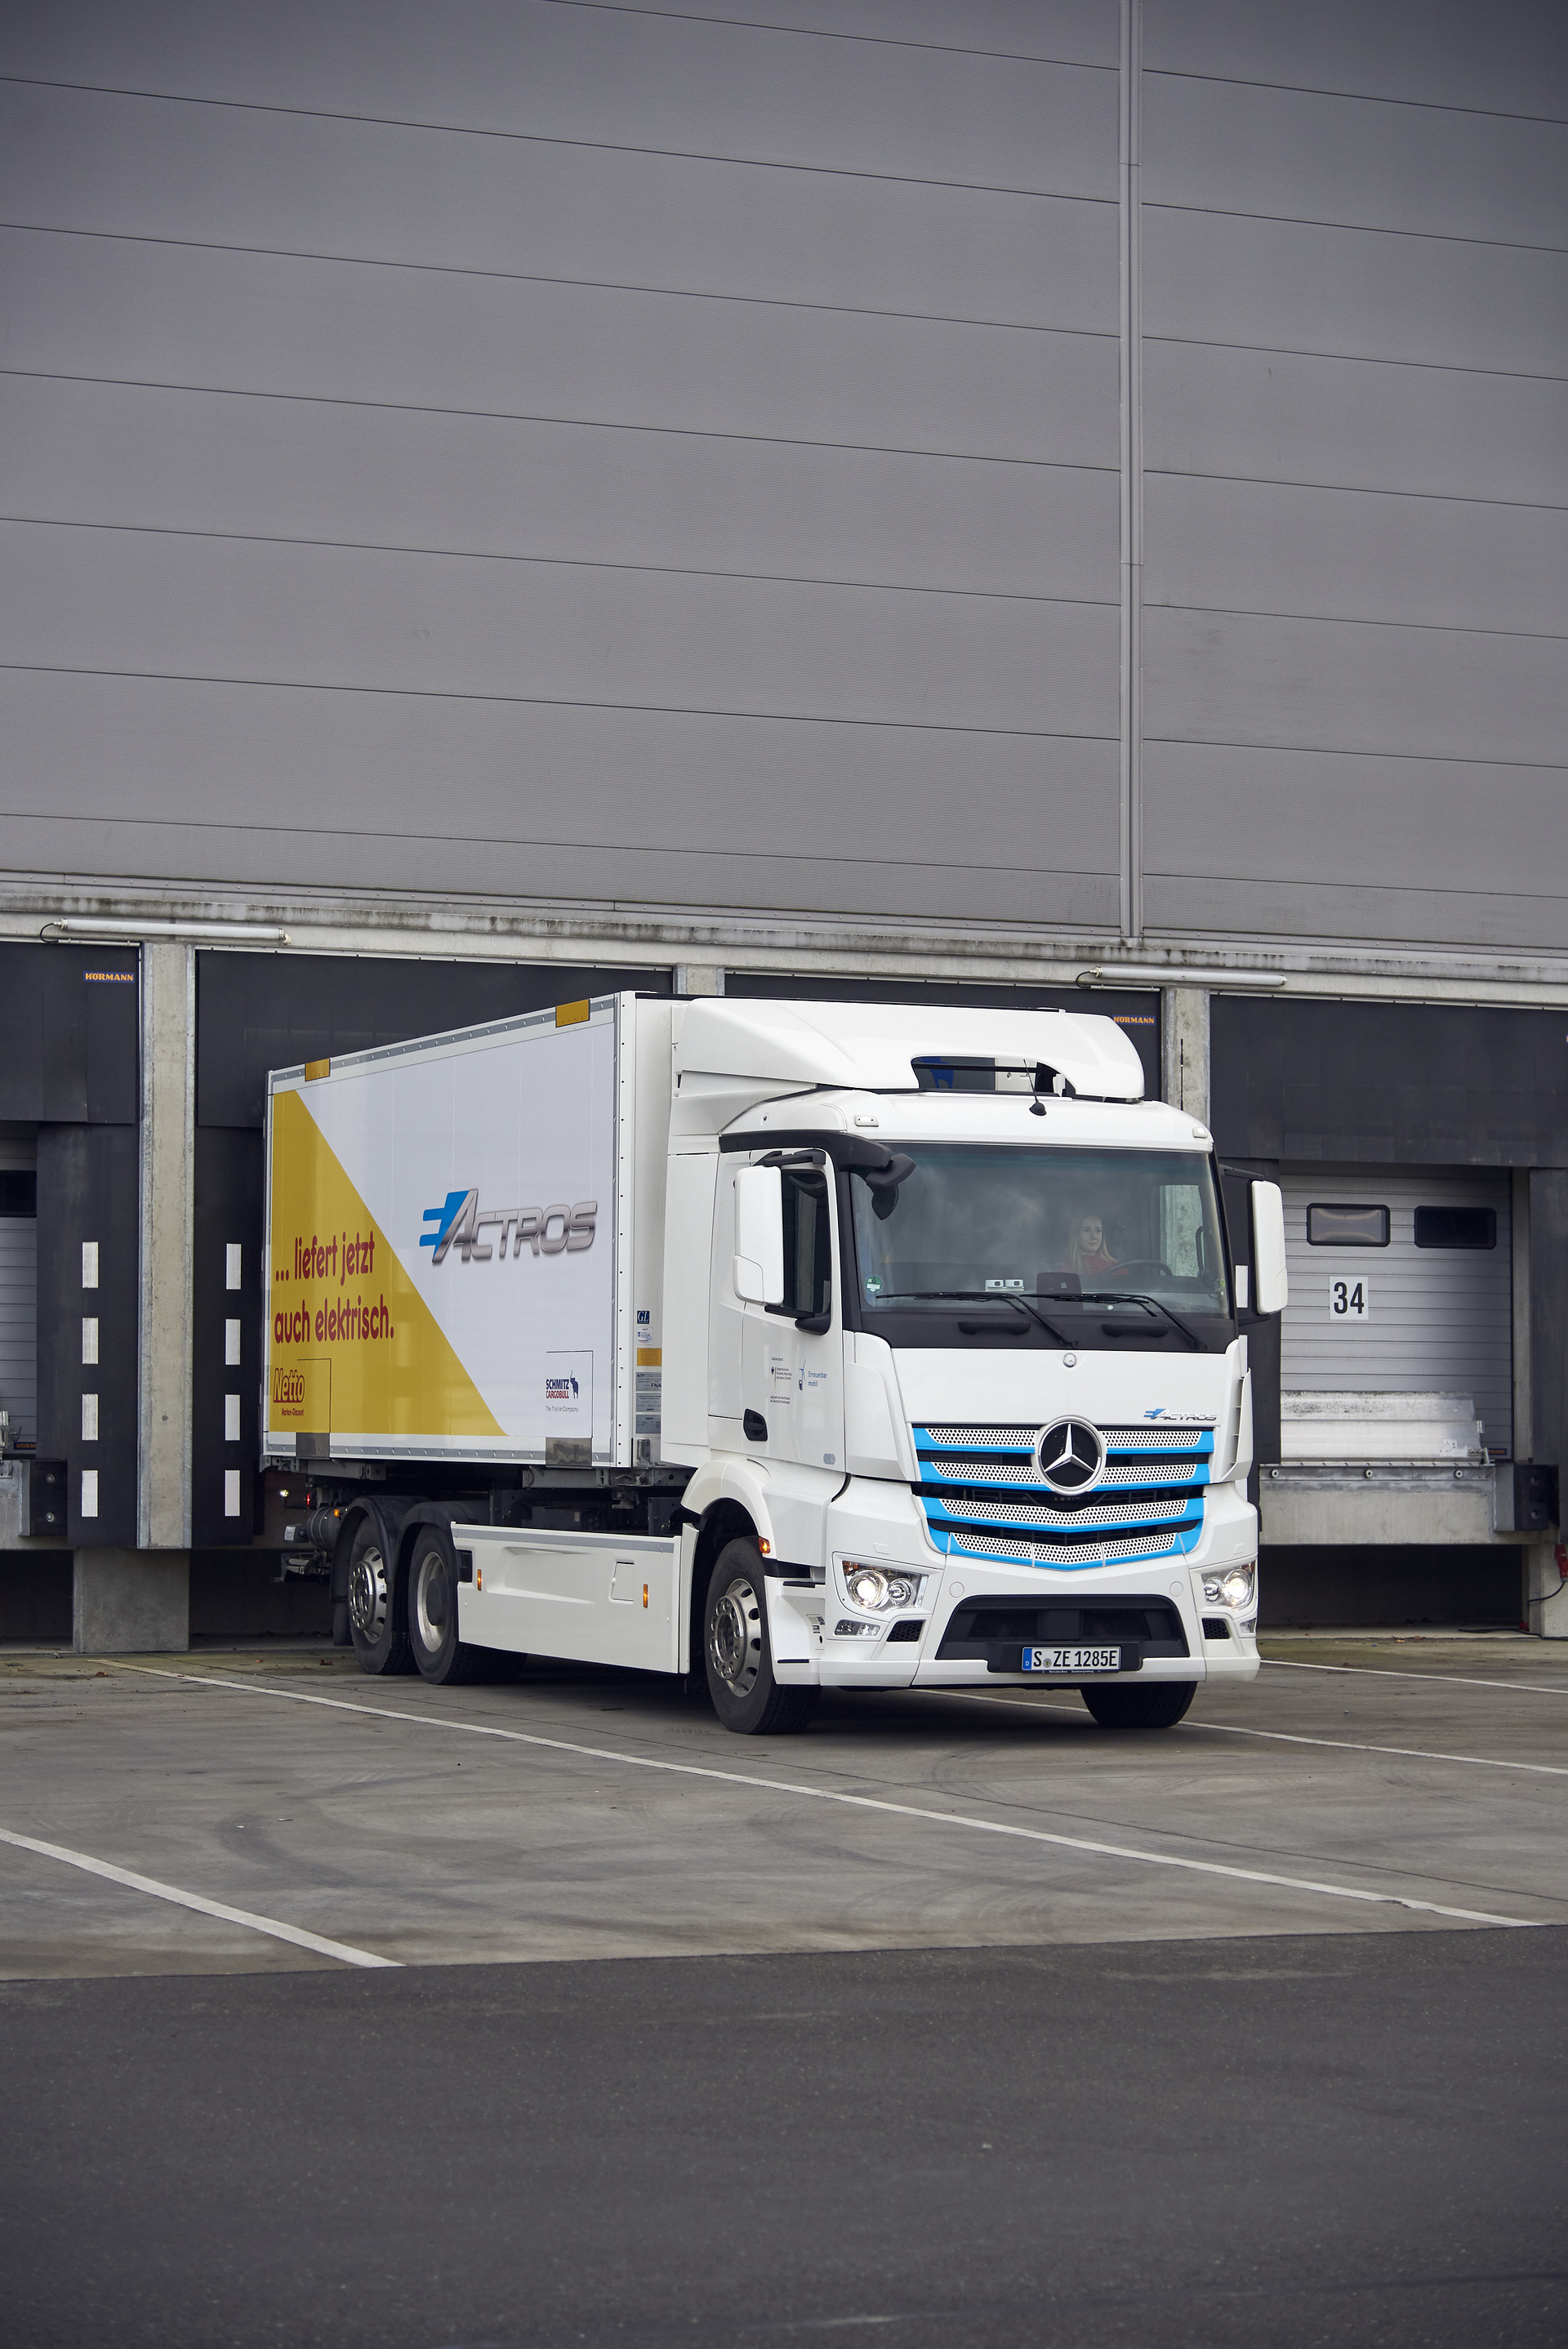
(1396,1401)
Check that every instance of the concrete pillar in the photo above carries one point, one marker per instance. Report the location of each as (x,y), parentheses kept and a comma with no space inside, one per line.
(1184,1048)
(130,1602)
(139,1600)
(1546,1591)
(168,1201)
(699,978)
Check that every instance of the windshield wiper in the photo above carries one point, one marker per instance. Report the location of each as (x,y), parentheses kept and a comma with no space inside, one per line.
(983,1296)
(1137,1296)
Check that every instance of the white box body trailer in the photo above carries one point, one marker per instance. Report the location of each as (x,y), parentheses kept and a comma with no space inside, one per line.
(789,1345)
(452,1246)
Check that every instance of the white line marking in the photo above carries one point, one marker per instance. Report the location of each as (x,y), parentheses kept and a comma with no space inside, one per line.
(1277,1736)
(205,1908)
(1388,1672)
(857,1802)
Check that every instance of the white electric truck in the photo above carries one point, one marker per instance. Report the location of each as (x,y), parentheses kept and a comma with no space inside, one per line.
(787,1345)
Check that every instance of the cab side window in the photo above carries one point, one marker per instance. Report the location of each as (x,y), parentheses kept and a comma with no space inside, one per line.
(807,1242)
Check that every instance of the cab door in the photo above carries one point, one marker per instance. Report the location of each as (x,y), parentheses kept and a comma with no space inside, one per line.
(794,1375)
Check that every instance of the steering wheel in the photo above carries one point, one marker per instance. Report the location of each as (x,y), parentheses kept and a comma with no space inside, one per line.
(1143,1266)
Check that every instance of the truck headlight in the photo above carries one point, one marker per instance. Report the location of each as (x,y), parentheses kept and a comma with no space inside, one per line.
(1230,1585)
(878,1588)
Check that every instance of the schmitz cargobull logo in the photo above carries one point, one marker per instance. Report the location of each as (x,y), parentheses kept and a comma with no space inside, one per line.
(549,1231)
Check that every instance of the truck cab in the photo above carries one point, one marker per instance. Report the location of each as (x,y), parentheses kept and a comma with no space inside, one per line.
(952,1347)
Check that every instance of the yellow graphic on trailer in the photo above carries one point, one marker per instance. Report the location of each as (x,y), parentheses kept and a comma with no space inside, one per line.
(354,1344)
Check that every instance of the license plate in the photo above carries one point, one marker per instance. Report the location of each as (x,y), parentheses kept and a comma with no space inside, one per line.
(1072,1659)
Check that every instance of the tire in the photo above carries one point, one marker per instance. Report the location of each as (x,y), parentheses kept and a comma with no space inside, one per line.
(432,1604)
(1161,1705)
(375,1618)
(342,1635)
(738,1655)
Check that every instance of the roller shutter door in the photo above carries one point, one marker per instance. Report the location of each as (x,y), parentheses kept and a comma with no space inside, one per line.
(1433,1319)
(18,1290)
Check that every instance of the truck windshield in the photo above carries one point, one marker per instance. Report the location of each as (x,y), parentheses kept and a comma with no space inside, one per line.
(1048,1246)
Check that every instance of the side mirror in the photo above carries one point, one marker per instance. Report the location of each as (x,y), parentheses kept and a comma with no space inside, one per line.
(1271,1287)
(759,1234)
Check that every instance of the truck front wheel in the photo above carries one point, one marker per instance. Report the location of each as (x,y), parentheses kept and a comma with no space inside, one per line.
(1120,1705)
(439,1652)
(738,1653)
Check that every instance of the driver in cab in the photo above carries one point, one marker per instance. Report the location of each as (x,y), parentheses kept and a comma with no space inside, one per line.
(1087,1254)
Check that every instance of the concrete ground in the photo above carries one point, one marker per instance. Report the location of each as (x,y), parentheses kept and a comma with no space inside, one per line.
(958,2014)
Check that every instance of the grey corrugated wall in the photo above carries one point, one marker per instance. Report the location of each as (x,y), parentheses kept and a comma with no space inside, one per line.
(1356,443)
(557,448)
(617,454)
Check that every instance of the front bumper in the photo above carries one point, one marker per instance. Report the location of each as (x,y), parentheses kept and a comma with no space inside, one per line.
(883,1524)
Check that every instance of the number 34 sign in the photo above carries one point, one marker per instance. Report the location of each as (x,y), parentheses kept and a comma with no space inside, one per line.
(1349,1301)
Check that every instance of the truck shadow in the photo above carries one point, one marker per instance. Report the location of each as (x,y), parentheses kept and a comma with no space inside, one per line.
(895,1719)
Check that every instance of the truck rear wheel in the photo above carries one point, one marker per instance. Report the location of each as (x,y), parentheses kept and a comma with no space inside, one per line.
(374,1617)
(438,1651)
(1161,1705)
(739,1655)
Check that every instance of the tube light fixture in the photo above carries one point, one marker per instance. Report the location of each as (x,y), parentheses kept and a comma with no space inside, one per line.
(130,931)
(1173,975)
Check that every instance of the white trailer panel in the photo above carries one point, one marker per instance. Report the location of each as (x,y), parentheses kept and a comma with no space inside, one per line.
(450,1246)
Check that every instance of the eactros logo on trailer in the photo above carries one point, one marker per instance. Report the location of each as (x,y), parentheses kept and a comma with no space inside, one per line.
(549,1231)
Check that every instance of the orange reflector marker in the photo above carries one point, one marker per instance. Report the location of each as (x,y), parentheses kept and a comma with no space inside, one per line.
(571,1015)
(644,1594)
(314,1068)
(765,1547)
(479,1577)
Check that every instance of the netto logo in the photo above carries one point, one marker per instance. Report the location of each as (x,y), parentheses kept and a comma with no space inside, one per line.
(549,1231)
(1069,1455)
(288,1386)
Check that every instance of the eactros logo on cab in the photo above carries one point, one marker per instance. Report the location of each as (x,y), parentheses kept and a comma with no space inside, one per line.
(1069,1454)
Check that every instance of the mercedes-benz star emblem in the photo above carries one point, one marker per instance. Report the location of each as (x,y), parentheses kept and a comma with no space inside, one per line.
(1070,1455)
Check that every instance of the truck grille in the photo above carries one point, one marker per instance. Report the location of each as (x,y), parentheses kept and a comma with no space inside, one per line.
(1040,1513)
(1024,1477)
(1016,1439)
(985,1498)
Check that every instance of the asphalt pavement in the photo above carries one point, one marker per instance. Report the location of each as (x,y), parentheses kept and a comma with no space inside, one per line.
(346,2010)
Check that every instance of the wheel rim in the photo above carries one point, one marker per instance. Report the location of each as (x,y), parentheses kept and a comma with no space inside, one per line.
(734,1637)
(432,1601)
(368,1594)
